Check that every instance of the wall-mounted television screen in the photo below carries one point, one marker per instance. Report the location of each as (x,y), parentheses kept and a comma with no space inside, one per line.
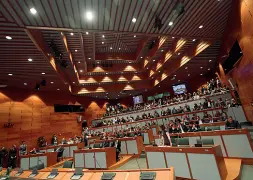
(138,99)
(179,88)
(68,108)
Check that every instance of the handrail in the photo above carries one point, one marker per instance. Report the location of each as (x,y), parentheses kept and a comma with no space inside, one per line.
(158,107)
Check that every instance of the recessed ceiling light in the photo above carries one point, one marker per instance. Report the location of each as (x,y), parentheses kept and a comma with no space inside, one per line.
(96,96)
(119,48)
(97,62)
(175,75)
(134,35)
(134,20)
(130,62)
(79,62)
(179,80)
(173,37)
(30,60)
(72,34)
(89,15)
(159,86)
(52,82)
(159,71)
(8,37)
(153,60)
(106,73)
(141,57)
(188,74)
(194,40)
(10,74)
(33,11)
(130,94)
(110,47)
(201,74)
(162,50)
(58,89)
(87,33)
(201,26)
(43,73)
(74,82)
(25,84)
(103,36)
(241,52)
(76,50)
(103,42)
(178,53)
(201,67)
(147,67)
(209,69)
(210,60)
(145,89)
(89,58)
(186,67)
(170,23)
(81,70)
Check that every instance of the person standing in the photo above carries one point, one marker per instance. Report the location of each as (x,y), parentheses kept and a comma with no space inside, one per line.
(3,154)
(23,148)
(54,140)
(13,157)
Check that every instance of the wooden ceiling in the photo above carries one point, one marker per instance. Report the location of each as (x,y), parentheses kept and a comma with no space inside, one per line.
(108,56)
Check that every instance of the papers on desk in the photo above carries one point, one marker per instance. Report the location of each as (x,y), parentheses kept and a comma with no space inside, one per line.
(76,176)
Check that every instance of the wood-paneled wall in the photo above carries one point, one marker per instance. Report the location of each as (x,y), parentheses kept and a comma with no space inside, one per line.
(240,27)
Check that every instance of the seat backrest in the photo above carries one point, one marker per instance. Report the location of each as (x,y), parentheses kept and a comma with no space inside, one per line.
(205,141)
(68,164)
(215,128)
(183,141)
(97,145)
(202,128)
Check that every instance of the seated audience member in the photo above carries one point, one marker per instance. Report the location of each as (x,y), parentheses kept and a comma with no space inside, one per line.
(163,113)
(23,148)
(232,124)
(13,157)
(182,127)
(180,110)
(70,141)
(144,116)
(193,128)
(118,149)
(174,111)
(156,114)
(205,117)
(54,140)
(168,111)
(234,103)
(150,116)
(3,154)
(64,141)
(224,116)
(187,108)
(138,118)
(205,104)
(174,129)
(166,137)
(106,143)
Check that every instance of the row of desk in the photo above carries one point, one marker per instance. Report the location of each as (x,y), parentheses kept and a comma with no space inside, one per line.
(66,174)
(234,143)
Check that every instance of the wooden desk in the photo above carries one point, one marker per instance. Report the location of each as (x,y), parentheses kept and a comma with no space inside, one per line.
(68,148)
(189,162)
(129,145)
(161,174)
(31,160)
(95,158)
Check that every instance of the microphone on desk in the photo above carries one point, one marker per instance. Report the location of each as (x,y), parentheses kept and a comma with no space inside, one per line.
(105,176)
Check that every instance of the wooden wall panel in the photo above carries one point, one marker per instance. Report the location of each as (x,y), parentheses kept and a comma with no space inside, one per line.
(240,27)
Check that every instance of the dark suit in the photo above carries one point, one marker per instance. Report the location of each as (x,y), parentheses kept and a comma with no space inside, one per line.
(106,144)
(233,125)
(12,157)
(166,139)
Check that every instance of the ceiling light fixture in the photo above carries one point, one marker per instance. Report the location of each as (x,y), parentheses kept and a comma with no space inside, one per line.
(81,70)
(119,48)
(141,57)
(134,20)
(188,74)
(170,23)
(89,58)
(194,40)
(52,82)
(186,68)
(10,74)
(79,62)
(201,74)
(103,36)
(209,69)
(89,15)
(87,33)
(210,60)
(33,10)
(201,26)
(58,89)
(76,50)
(173,37)
(110,47)
(178,53)
(8,37)
(25,84)
(162,50)
(106,73)
(43,73)
(153,60)
(134,35)
(103,42)
(201,67)
(72,34)
(30,60)
(74,82)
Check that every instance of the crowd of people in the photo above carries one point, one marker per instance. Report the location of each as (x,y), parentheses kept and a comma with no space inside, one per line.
(211,87)
(208,103)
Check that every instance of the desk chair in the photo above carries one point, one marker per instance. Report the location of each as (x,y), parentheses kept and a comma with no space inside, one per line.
(182,141)
(68,164)
(205,141)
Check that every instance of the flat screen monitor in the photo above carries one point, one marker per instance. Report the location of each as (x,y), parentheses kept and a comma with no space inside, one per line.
(138,99)
(179,88)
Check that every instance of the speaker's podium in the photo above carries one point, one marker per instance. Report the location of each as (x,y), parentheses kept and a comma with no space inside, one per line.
(97,158)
